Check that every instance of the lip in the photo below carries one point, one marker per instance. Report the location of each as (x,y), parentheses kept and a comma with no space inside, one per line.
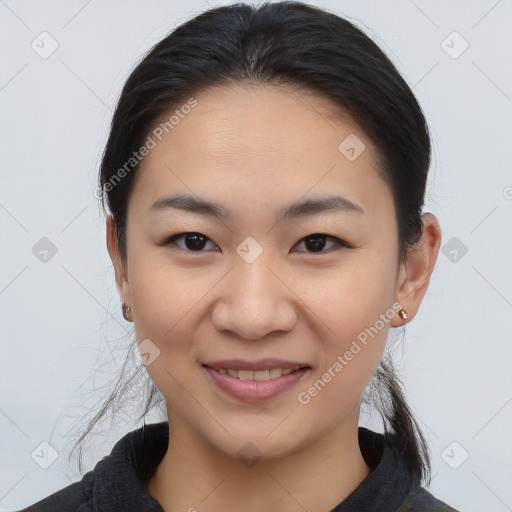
(254,391)
(262,364)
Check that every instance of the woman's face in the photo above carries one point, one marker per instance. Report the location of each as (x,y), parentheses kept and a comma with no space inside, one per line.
(253,285)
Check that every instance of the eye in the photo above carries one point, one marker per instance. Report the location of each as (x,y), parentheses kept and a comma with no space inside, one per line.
(194,242)
(316,242)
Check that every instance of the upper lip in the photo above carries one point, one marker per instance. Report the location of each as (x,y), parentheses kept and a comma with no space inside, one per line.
(262,364)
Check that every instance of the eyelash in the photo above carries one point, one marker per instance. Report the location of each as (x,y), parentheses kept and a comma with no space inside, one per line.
(341,243)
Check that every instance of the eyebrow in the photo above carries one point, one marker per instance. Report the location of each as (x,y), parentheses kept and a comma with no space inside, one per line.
(304,208)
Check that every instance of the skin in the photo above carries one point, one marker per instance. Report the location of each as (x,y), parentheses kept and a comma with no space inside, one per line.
(255,150)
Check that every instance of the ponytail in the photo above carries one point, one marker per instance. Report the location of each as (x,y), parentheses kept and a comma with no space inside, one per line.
(387,395)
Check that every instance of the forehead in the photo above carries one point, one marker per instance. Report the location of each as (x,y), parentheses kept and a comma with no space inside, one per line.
(258,141)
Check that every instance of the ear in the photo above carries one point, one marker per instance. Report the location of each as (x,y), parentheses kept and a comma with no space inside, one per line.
(414,275)
(119,267)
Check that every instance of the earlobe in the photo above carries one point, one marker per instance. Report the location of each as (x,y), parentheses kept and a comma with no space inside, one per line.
(417,269)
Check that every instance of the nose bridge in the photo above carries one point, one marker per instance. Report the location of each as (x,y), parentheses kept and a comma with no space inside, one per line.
(254,302)
(253,280)
(255,285)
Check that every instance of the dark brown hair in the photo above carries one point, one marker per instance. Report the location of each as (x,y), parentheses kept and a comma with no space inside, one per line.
(299,45)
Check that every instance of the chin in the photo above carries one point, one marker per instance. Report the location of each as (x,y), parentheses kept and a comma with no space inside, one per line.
(250,446)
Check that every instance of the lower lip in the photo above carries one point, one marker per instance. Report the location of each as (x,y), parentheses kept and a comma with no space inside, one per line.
(255,391)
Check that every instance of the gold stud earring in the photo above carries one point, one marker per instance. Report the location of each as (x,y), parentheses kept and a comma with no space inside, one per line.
(125,310)
(403,314)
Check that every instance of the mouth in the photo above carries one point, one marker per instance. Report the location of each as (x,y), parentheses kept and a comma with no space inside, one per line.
(254,382)
(259,375)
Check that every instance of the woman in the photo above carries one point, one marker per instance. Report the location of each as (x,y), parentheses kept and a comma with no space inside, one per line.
(265,174)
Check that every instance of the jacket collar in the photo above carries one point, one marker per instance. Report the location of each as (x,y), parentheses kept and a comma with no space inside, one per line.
(120,478)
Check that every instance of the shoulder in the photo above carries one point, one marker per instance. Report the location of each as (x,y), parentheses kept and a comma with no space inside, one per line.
(117,482)
(392,484)
(76,497)
(421,500)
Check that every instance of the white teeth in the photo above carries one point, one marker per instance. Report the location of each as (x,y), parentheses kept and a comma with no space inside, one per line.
(274,373)
(261,375)
(245,375)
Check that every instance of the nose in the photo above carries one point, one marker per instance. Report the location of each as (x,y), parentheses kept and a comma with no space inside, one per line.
(254,300)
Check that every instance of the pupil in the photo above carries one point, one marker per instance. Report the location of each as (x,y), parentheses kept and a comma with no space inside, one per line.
(198,244)
(318,242)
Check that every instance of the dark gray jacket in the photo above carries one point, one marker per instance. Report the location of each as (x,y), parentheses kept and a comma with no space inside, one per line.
(117,482)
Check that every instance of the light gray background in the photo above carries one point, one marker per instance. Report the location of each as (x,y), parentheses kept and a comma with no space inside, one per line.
(61,319)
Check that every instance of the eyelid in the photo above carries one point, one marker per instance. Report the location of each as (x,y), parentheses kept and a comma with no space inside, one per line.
(172,240)
(339,242)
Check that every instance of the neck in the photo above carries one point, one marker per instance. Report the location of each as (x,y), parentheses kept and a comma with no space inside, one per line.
(194,476)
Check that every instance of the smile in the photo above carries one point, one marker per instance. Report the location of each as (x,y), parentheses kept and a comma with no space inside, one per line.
(255,386)
(260,375)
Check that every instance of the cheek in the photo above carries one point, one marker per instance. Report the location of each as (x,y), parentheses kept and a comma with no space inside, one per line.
(350,358)
(356,309)
(164,313)
(355,297)
(162,295)
(164,309)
